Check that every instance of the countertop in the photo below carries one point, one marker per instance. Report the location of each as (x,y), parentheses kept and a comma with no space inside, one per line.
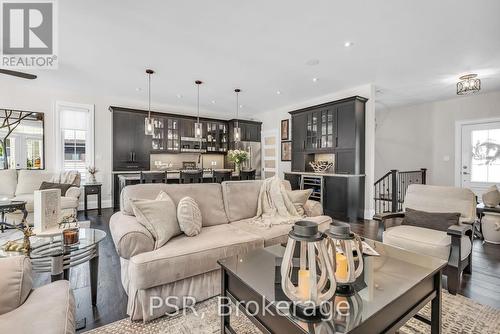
(171,174)
(326,174)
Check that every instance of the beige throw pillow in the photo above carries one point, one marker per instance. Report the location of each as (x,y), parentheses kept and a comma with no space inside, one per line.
(299,198)
(189,216)
(159,217)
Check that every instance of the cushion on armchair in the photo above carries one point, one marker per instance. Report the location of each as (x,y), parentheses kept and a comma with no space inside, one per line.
(439,221)
(50,185)
(15,282)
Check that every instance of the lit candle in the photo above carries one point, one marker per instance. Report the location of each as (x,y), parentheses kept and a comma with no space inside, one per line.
(304,288)
(341,270)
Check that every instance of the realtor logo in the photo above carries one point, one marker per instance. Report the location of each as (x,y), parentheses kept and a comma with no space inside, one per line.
(28,34)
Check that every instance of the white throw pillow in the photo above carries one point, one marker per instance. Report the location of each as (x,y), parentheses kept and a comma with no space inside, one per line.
(159,217)
(189,216)
(299,198)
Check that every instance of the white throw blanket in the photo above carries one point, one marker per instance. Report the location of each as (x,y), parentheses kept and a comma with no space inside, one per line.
(274,206)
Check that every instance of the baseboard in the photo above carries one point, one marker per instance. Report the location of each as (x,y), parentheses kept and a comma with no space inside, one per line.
(369,213)
(93,204)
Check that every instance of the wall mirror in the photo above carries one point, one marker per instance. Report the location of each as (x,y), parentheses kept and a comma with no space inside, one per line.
(21,139)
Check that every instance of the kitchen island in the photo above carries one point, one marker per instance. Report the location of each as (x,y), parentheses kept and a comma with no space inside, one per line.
(125,178)
(342,195)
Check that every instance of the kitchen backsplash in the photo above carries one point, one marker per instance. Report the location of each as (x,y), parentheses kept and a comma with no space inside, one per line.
(174,161)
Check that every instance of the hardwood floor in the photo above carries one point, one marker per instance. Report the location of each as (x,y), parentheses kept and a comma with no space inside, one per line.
(481,286)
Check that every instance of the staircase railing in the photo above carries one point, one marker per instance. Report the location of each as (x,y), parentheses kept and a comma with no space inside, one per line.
(390,189)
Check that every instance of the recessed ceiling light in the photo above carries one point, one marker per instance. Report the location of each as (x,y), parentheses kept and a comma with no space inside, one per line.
(348,44)
(214,102)
(138,89)
(315,79)
(312,62)
(278,92)
(179,96)
(241,106)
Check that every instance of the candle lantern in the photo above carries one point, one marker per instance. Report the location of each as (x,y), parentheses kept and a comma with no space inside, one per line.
(346,251)
(315,271)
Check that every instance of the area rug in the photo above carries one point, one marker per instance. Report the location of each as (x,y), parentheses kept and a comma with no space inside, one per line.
(460,315)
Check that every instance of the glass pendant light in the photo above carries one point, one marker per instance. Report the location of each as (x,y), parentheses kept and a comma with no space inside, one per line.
(198,129)
(148,122)
(237,129)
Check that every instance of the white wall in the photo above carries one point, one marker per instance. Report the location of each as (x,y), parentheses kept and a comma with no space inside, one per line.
(423,135)
(271,120)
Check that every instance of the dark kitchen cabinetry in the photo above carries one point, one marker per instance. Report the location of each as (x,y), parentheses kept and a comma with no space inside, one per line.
(131,146)
(336,127)
(217,136)
(250,131)
(187,127)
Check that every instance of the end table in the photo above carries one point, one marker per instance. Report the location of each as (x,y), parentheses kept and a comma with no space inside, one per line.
(92,189)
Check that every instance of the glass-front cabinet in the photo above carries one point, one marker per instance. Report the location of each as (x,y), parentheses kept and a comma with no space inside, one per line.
(327,126)
(217,137)
(158,139)
(320,129)
(172,133)
(312,135)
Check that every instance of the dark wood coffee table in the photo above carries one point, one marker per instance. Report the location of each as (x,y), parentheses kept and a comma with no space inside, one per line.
(10,207)
(397,285)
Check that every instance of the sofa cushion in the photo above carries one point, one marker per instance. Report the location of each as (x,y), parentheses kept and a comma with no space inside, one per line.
(277,234)
(9,182)
(30,180)
(241,199)
(207,195)
(159,218)
(185,256)
(299,199)
(50,309)
(189,216)
(439,221)
(424,241)
(51,185)
(15,283)
(66,202)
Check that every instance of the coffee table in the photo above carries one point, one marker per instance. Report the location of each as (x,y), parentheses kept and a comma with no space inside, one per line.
(48,254)
(10,207)
(397,284)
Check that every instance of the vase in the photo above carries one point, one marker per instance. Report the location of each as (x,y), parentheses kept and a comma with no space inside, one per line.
(92,178)
(491,198)
(237,167)
(490,226)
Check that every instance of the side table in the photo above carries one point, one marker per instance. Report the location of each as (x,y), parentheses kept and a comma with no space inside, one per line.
(9,208)
(92,189)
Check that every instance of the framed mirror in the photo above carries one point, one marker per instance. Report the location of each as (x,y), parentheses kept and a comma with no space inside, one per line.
(22,139)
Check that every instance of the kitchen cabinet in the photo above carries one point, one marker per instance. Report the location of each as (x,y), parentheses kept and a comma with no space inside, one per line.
(336,127)
(131,146)
(250,130)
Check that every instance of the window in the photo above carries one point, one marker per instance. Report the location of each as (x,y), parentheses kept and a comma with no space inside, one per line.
(486,155)
(75,124)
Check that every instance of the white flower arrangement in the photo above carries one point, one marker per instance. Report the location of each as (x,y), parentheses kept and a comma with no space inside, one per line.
(237,156)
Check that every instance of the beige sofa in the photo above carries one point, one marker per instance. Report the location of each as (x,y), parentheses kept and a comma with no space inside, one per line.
(49,309)
(20,185)
(187,266)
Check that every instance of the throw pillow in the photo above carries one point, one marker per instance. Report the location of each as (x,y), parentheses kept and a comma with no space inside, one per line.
(189,216)
(159,218)
(439,221)
(299,198)
(50,185)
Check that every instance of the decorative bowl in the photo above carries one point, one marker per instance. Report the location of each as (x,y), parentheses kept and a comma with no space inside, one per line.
(320,166)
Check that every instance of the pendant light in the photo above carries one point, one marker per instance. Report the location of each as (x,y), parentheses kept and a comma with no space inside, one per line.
(148,122)
(198,129)
(237,130)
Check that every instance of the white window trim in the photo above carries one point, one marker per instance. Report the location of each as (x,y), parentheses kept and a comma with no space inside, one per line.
(61,105)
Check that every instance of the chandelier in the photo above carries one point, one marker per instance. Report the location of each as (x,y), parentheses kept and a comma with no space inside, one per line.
(468,84)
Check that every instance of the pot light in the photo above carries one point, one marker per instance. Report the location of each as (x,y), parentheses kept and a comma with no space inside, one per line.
(214,102)
(278,92)
(241,106)
(179,96)
(138,89)
(315,79)
(348,44)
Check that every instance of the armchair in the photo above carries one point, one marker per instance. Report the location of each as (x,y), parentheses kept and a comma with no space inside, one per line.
(48,309)
(454,245)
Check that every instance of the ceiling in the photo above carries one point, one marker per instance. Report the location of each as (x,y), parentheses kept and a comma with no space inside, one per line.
(413,51)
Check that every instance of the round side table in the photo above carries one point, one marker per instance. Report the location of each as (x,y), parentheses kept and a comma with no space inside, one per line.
(491,227)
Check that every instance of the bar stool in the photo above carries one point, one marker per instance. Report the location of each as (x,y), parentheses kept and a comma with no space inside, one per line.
(191,176)
(220,176)
(154,177)
(248,174)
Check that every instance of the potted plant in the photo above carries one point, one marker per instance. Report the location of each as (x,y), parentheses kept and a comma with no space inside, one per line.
(238,157)
(92,170)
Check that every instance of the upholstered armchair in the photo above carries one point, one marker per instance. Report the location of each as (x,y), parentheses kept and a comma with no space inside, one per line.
(48,309)
(454,245)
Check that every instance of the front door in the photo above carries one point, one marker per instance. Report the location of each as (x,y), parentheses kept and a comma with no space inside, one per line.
(480,167)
